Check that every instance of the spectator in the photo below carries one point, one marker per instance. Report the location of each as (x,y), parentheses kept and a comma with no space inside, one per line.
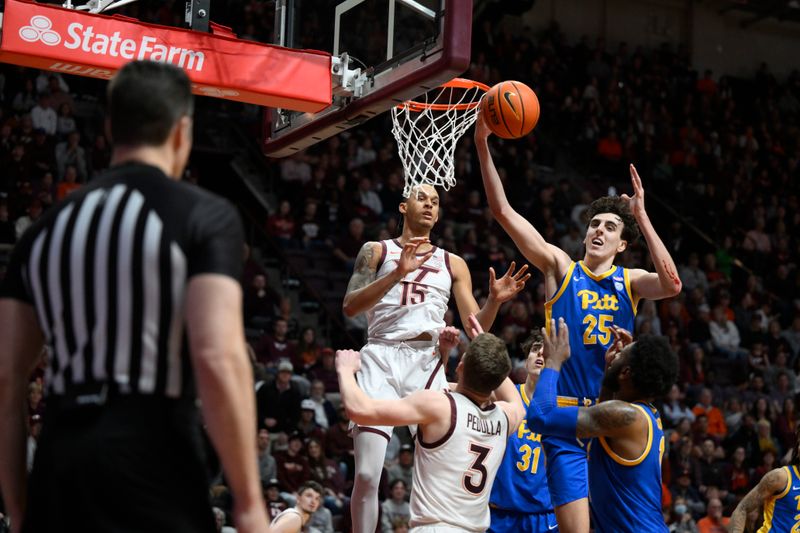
(404,469)
(272,497)
(278,402)
(260,299)
(307,352)
(739,474)
(370,202)
(293,469)
(675,409)
(324,412)
(25,99)
(713,522)
(219,518)
(395,508)
(725,336)
(71,153)
(267,467)
(273,347)
(34,211)
(44,116)
(281,225)
(307,426)
(99,155)
(328,474)
(339,442)
(346,248)
(68,184)
(712,470)
(716,422)
(311,226)
(681,520)
(325,370)
(684,490)
(8,233)
(766,442)
(66,122)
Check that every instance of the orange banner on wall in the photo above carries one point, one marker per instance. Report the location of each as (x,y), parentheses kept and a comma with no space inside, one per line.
(73,42)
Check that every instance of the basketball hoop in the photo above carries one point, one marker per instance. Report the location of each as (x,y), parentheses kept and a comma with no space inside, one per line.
(427,131)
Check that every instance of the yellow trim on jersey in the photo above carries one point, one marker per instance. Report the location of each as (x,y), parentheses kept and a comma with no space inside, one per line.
(598,277)
(524,395)
(769,505)
(632,462)
(566,401)
(634,301)
(796,471)
(548,305)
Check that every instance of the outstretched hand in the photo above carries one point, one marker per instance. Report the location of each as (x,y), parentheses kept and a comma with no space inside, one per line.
(475,327)
(622,338)
(409,260)
(448,339)
(556,344)
(635,202)
(482,130)
(509,285)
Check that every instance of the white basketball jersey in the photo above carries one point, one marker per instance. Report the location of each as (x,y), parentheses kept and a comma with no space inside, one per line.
(290,510)
(418,303)
(453,477)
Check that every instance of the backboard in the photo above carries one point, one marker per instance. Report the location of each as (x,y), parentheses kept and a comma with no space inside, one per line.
(384,52)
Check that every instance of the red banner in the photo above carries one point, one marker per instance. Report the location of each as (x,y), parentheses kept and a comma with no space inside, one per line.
(73,42)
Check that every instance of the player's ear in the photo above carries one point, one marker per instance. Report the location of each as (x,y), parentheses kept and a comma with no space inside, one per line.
(623,245)
(403,207)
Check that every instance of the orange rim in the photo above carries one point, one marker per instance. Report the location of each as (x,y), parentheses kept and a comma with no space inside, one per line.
(455,83)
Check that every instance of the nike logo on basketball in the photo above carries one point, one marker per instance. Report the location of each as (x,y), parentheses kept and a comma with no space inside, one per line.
(507,95)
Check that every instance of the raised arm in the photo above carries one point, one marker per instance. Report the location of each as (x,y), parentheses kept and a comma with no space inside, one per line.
(20,347)
(550,259)
(500,290)
(772,484)
(422,407)
(364,290)
(664,283)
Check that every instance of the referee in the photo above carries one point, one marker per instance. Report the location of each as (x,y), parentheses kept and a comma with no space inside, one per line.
(131,286)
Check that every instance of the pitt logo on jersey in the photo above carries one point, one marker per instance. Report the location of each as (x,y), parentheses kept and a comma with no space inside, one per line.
(592,300)
(524,433)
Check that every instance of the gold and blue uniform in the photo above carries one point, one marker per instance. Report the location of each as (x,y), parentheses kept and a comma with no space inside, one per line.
(590,304)
(625,494)
(520,501)
(782,511)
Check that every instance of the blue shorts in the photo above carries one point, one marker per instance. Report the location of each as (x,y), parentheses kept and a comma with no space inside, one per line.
(567,469)
(515,522)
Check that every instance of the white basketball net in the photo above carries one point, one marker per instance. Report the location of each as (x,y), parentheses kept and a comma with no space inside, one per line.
(427,136)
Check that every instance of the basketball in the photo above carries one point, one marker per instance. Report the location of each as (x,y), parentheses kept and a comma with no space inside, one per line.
(510,109)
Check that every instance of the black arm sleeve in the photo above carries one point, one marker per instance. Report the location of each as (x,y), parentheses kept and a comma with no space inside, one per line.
(217,239)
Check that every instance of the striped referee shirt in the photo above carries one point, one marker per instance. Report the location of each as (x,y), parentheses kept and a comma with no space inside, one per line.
(106,271)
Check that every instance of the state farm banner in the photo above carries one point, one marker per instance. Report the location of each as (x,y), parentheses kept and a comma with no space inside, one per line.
(73,42)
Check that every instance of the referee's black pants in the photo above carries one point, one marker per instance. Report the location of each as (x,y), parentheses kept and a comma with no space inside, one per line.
(134,464)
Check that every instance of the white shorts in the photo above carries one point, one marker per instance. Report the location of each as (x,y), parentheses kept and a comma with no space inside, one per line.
(390,371)
(439,528)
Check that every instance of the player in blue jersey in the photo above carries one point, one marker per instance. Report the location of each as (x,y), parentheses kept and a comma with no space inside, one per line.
(592,295)
(627,439)
(779,493)
(520,501)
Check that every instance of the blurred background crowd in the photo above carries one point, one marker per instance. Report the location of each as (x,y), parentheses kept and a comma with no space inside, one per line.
(719,160)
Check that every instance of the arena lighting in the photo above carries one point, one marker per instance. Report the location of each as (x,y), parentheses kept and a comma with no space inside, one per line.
(72,41)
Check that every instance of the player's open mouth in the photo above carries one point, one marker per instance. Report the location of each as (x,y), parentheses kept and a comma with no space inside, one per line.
(597,242)
(538,363)
(427,215)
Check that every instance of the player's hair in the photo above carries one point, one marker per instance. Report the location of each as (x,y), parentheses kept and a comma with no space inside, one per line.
(313,485)
(486,364)
(619,207)
(145,100)
(534,339)
(654,366)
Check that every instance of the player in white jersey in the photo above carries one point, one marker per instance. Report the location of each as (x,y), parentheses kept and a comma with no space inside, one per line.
(294,519)
(461,435)
(404,285)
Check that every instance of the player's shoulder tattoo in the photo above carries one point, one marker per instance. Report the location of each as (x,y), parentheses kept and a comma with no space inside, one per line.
(364,271)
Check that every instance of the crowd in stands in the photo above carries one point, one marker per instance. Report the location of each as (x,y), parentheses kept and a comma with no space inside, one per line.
(719,159)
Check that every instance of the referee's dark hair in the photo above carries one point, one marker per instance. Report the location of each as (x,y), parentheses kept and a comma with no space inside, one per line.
(136,117)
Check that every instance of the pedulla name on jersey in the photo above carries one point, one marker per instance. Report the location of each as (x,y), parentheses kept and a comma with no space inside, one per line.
(487,427)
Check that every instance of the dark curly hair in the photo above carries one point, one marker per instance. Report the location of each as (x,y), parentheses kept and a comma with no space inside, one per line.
(654,366)
(535,338)
(619,207)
